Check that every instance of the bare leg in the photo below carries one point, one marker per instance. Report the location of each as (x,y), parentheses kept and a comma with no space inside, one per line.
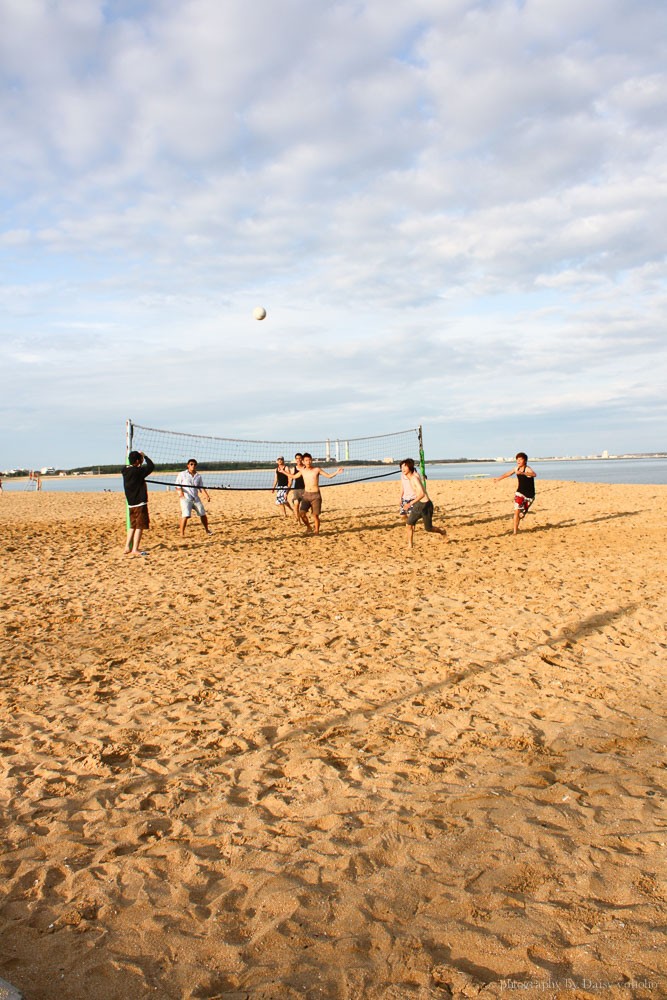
(517,519)
(204,521)
(410,528)
(138,532)
(128,542)
(183,525)
(430,527)
(316,518)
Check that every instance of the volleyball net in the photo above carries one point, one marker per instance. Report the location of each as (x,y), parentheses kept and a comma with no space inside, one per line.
(236,464)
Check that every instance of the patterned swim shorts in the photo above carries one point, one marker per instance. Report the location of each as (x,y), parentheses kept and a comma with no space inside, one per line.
(281,494)
(522,504)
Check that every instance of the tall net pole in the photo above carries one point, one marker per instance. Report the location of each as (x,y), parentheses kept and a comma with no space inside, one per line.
(422,460)
(128,449)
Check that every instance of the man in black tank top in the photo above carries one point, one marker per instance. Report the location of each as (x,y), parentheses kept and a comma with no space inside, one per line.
(281,486)
(525,490)
(297,485)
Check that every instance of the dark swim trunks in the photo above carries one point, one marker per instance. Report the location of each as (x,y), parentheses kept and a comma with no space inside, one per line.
(139,517)
(312,501)
(421,512)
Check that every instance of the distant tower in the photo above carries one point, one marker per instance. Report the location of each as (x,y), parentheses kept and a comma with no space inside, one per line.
(605,454)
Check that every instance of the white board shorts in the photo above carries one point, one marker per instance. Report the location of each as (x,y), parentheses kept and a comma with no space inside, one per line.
(188,504)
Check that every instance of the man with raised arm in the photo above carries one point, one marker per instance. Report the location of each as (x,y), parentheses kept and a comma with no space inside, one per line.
(135,475)
(525,488)
(312,498)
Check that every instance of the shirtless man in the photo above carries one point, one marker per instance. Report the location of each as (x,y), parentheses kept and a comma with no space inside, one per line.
(312,498)
(407,495)
(421,508)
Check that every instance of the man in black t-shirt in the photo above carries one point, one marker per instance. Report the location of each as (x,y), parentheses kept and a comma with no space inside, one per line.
(525,489)
(136,493)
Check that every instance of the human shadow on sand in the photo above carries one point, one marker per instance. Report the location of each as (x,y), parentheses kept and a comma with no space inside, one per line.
(568,633)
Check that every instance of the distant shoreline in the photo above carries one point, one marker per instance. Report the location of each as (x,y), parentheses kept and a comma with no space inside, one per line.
(549,458)
(637,457)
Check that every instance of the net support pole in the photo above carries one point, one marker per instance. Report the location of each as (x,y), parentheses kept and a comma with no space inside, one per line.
(128,449)
(422,460)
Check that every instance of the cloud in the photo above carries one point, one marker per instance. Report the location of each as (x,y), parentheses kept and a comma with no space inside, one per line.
(446,207)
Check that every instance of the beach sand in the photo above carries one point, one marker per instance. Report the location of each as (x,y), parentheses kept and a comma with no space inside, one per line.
(268,766)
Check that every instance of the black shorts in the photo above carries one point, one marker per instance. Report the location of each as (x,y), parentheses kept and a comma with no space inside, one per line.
(421,512)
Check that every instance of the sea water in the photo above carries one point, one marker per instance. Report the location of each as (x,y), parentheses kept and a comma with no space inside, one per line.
(633,471)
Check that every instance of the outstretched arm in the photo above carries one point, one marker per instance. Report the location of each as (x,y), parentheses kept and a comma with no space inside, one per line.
(330,475)
(505,475)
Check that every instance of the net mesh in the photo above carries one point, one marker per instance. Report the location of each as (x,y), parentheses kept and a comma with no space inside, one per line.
(234,464)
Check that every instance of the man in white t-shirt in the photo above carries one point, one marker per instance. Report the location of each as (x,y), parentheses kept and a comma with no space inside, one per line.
(188,484)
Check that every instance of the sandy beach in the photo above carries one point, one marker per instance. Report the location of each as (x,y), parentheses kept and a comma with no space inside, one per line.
(268,766)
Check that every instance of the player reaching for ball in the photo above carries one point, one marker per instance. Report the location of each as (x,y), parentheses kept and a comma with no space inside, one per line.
(135,474)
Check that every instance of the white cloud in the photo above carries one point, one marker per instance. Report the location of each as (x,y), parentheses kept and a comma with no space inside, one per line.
(445,207)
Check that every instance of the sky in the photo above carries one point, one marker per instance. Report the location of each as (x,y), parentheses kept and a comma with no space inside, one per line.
(453,211)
